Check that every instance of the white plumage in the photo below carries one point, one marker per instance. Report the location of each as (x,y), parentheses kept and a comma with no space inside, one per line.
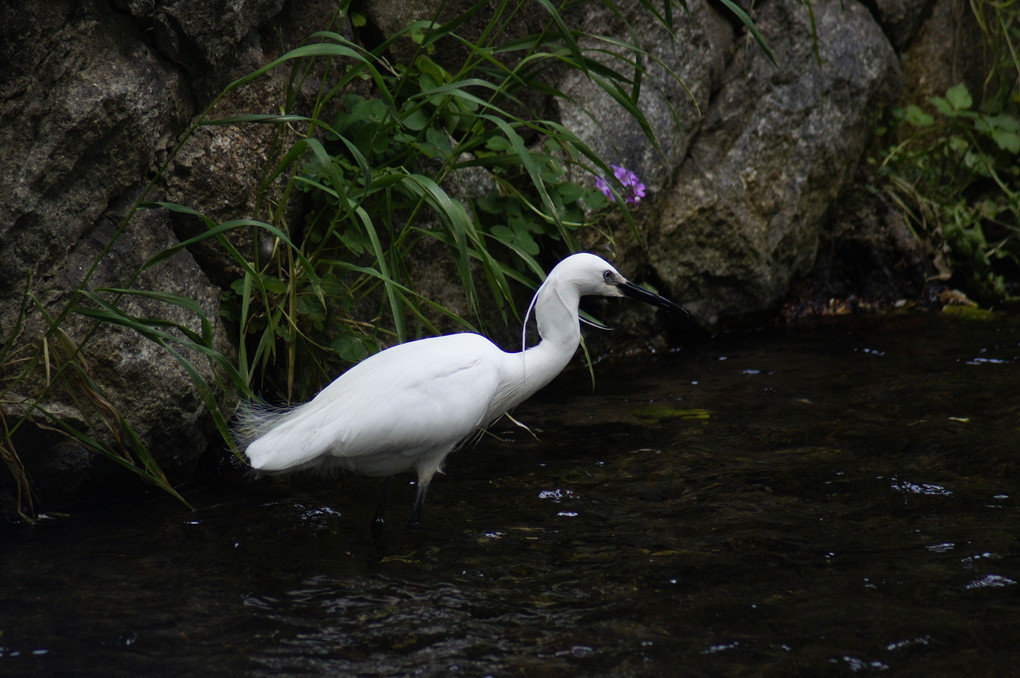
(406,408)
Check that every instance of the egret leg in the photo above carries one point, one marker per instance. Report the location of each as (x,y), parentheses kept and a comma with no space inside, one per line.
(414,522)
(380,513)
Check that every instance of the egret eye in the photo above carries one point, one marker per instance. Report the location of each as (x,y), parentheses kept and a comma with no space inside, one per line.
(608,276)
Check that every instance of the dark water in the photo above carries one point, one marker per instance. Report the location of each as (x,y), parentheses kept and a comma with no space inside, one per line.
(828,501)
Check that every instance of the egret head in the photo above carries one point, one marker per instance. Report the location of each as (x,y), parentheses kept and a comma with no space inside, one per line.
(595,276)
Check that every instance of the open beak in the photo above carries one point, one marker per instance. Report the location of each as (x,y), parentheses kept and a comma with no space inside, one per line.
(631,290)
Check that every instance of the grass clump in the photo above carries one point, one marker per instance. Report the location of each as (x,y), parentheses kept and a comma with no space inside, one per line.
(956,177)
(953,168)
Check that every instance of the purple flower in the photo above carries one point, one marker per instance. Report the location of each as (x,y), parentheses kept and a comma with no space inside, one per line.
(633,190)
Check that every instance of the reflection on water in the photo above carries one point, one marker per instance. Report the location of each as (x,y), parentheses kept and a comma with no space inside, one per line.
(831,501)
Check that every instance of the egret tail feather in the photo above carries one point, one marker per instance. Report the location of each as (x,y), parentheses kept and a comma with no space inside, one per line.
(255,418)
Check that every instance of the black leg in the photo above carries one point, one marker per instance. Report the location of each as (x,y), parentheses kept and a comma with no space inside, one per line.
(380,513)
(414,523)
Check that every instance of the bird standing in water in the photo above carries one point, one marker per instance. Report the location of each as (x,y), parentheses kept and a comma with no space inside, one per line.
(408,407)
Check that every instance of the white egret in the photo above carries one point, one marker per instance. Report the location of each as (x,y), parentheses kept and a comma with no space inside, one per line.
(408,407)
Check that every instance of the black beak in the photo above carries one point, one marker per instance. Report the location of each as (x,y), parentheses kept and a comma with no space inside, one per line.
(631,290)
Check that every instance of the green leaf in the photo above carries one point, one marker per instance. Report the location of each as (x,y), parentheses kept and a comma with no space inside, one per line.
(940,104)
(416,34)
(526,242)
(569,191)
(497,143)
(958,144)
(440,140)
(349,347)
(1007,141)
(490,204)
(416,120)
(502,232)
(1005,122)
(273,284)
(959,98)
(915,116)
(595,199)
(429,67)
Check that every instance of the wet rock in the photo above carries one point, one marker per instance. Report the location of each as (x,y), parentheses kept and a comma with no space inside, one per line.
(743,217)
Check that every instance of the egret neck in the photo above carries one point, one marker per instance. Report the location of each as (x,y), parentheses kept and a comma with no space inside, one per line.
(560,331)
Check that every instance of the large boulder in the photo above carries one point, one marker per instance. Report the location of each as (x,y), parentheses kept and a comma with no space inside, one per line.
(778,144)
(93,96)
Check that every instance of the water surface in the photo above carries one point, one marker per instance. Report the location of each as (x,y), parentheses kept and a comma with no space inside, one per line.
(835,500)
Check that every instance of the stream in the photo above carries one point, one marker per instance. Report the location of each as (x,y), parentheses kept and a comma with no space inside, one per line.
(834,499)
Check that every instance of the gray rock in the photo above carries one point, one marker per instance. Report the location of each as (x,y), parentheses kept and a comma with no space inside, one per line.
(900,19)
(743,217)
(207,39)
